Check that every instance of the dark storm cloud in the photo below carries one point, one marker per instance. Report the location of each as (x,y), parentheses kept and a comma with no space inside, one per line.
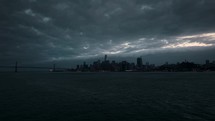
(51,30)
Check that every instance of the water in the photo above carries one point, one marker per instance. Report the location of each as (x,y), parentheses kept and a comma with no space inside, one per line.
(107,96)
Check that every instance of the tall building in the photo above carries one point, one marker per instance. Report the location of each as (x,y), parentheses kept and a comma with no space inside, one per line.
(207,62)
(139,62)
(105,58)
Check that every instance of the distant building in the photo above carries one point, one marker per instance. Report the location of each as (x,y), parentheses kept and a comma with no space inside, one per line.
(147,63)
(167,63)
(105,58)
(207,62)
(139,62)
(123,65)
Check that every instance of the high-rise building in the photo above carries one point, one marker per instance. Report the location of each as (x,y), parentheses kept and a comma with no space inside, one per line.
(167,63)
(207,62)
(139,62)
(147,63)
(105,58)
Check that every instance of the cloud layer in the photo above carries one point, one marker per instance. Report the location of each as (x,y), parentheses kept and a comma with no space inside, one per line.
(52,30)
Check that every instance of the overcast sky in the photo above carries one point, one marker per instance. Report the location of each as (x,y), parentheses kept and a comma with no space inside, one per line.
(72,31)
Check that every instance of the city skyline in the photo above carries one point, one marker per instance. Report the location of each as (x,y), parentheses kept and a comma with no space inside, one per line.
(140,66)
(106,65)
(107,60)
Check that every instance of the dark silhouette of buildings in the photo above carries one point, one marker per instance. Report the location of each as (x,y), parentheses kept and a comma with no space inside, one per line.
(105,58)
(139,62)
(124,66)
(207,62)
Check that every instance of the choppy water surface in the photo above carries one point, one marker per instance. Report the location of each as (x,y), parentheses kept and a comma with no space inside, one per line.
(107,96)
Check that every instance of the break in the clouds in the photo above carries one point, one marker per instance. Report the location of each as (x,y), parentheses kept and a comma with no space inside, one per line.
(52,30)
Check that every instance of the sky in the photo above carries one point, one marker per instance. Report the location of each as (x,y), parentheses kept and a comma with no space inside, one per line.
(72,31)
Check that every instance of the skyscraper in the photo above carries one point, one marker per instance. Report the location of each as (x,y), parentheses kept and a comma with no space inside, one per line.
(207,62)
(139,62)
(105,58)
